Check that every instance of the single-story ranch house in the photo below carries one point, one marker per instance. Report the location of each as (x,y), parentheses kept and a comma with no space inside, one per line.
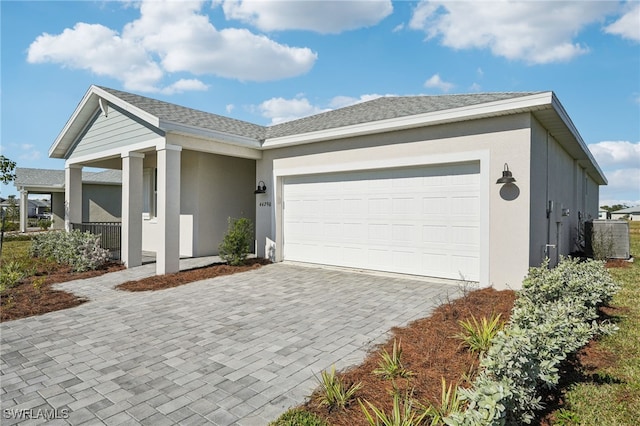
(476,187)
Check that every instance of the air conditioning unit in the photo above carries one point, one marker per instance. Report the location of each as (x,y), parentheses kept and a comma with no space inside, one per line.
(607,237)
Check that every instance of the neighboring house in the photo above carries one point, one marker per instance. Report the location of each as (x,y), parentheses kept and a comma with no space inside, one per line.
(35,208)
(101,194)
(603,214)
(632,213)
(396,184)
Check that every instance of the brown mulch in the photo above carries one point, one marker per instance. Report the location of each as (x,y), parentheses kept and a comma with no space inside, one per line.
(429,350)
(35,295)
(160,282)
(618,263)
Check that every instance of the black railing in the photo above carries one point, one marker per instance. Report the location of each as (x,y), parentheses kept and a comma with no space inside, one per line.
(110,235)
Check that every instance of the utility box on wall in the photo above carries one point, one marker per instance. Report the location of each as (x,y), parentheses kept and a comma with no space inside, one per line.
(607,238)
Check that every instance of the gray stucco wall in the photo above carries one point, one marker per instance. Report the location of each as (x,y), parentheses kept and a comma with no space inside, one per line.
(57,210)
(216,187)
(101,203)
(559,179)
(494,141)
(212,189)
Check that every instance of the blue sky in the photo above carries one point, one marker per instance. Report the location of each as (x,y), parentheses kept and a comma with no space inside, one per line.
(270,61)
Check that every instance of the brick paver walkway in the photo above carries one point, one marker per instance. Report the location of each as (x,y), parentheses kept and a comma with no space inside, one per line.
(238,349)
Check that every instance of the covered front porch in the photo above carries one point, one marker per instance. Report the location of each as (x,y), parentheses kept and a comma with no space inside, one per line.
(181,176)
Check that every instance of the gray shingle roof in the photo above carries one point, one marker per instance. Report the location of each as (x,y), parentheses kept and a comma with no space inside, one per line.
(189,116)
(377,109)
(55,178)
(385,108)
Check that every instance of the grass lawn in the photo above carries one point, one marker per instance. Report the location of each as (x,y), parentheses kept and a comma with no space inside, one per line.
(610,393)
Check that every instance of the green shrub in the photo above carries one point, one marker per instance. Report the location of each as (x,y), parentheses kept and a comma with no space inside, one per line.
(44,224)
(79,250)
(11,226)
(236,245)
(553,317)
(296,417)
(12,272)
(334,393)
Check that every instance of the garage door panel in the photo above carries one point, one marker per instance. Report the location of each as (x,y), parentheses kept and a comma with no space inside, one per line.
(421,221)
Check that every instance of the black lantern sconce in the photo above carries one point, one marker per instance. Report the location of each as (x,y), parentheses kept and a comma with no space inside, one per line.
(507,177)
(261,189)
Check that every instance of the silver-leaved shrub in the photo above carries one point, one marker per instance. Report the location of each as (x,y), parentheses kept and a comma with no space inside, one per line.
(79,250)
(554,316)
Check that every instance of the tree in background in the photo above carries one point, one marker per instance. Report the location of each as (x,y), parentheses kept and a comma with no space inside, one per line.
(614,207)
(7,170)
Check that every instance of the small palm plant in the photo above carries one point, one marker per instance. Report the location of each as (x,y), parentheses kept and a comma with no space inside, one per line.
(402,414)
(335,393)
(449,403)
(477,335)
(390,366)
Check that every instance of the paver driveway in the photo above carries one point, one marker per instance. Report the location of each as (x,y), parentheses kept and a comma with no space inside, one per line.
(238,349)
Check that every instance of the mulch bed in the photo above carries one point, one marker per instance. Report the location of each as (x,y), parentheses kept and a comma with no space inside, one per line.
(160,282)
(429,350)
(35,295)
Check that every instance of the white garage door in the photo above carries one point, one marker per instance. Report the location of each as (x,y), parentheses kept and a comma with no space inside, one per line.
(422,221)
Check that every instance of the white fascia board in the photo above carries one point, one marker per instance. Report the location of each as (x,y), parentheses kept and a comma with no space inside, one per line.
(114,152)
(186,130)
(79,113)
(44,188)
(489,109)
(562,113)
(143,115)
(86,109)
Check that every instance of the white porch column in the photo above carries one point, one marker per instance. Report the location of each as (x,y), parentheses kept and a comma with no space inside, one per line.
(132,195)
(24,209)
(168,209)
(72,195)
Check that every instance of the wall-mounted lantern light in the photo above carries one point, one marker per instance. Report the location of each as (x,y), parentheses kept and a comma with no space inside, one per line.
(507,177)
(261,189)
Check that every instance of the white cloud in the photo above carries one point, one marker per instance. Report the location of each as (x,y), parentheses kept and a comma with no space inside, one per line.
(344,101)
(170,37)
(319,16)
(229,108)
(184,85)
(29,152)
(280,110)
(628,26)
(623,184)
(535,32)
(616,154)
(98,49)
(435,82)
(620,161)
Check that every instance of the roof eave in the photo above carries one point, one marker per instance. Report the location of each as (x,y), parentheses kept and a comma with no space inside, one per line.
(86,109)
(592,165)
(470,112)
(200,132)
